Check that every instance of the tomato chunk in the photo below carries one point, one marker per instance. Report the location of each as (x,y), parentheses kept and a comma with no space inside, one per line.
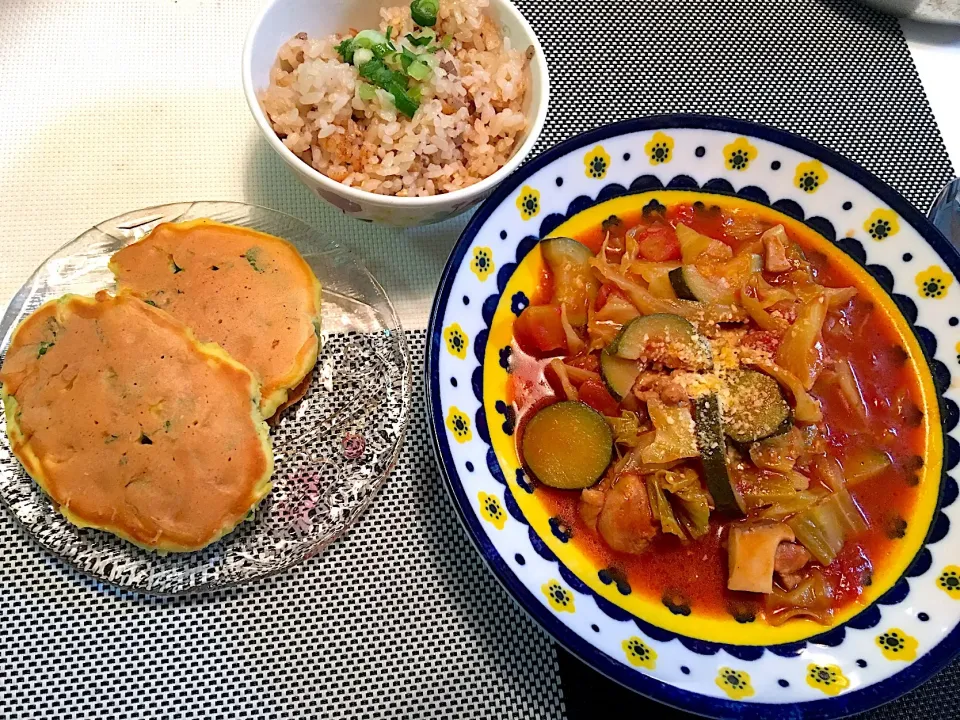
(659,243)
(539,330)
(763,340)
(682,213)
(595,394)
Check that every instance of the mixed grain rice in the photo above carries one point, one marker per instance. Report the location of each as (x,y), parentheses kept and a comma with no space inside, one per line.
(469,122)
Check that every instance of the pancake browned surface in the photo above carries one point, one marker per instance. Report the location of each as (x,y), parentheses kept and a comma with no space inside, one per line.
(251,293)
(131,425)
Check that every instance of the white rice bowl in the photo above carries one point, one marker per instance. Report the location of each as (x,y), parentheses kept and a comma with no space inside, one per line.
(468,124)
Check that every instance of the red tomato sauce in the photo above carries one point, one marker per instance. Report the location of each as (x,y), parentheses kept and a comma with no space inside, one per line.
(693,575)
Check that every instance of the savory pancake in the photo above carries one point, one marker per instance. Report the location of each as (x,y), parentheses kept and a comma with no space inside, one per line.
(251,293)
(132,425)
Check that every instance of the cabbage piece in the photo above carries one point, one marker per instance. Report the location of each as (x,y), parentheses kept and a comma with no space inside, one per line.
(838,297)
(661,509)
(799,351)
(604,324)
(633,460)
(679,502)
(825,527)
(738,270)
(812,599)
(574,342)
(779,452)
(864,463)
(694,244)
(561,370)
(850,387)
(786,507)
(626,428)
(774,495)
(660,286)
(648,269)
(771,294)
(755,309)
(829,472)
(675,438)
(690,501)
(806,409)
(705,314)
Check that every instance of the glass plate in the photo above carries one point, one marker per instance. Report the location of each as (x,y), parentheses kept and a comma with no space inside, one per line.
(360,386)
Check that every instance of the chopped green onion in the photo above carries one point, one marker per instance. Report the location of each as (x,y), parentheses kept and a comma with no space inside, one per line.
(345,50)
(445,42)
(395,83)
(366,91)
(407,58)
(424,12)
(377,73)
(402,100)
(420,41)
(369,38)
(415,94)
(419,70)
(361,56)
(389,32)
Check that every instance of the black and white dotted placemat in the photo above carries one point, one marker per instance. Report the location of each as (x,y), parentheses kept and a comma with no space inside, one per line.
(401,619)
(398,620)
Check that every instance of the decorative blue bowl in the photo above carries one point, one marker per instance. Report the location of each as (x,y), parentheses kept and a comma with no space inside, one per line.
(909,625)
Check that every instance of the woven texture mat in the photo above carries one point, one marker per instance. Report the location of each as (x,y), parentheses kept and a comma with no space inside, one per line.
(136,103)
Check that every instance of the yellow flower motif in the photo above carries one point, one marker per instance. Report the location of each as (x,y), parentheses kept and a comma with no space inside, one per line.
(459,425)
(596,161)
(810,176)
(895,644)
(456,341)
(559,597)
(949,580)
(738,154)
(639,653)
(659,149)
(491,510)
(827,678)
(933,282)
(735,683)
(882,224)
(482,263)
(528,202)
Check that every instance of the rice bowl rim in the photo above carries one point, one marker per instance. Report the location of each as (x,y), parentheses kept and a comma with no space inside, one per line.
(478,189)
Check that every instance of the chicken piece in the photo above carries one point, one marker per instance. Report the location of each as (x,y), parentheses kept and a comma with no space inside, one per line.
(790,557)
(789,560)
(591,503)
(624,521)
(659,387)
(775,250)
(752,550)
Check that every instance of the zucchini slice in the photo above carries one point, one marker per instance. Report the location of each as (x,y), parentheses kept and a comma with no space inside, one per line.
(662,337)
(619,374)
(712,446)
(690,284)
(756,408)
(567,445)
(573,281)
